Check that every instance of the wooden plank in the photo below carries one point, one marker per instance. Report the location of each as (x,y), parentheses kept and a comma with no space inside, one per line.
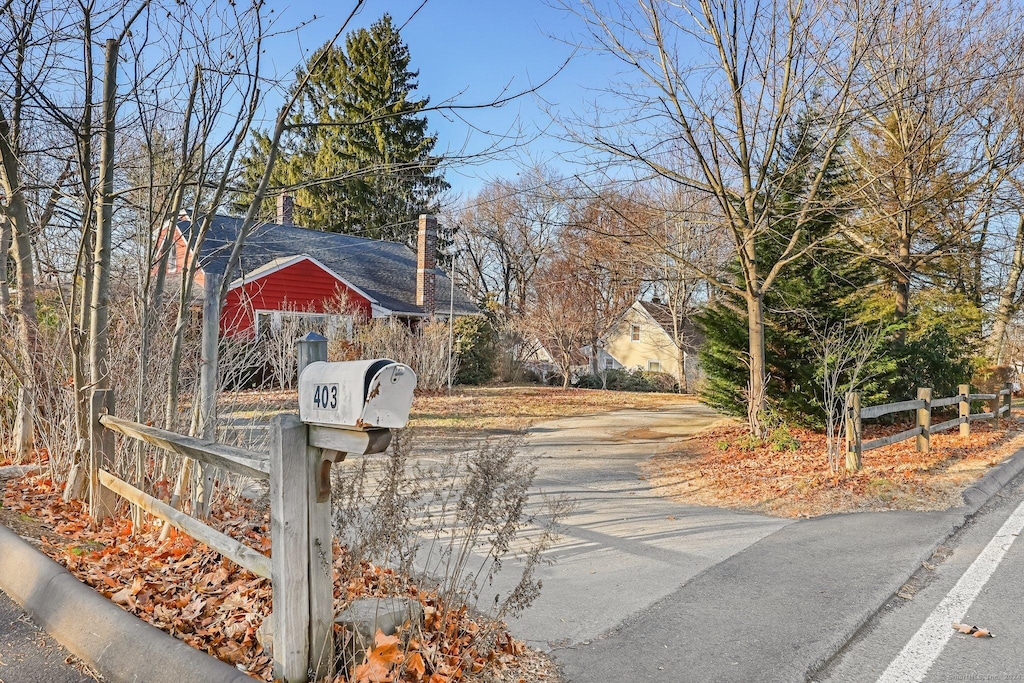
(981,397)
(209,364)
(232,458)
(889,440)
(289,531)
(309,349)
(887,408)
(853,433)
(237,552)
(943,402)
(1003,409)
(350,441)
(980,416)
(101,454)
(321,564)
(924,420)
(948,424)
(965,409)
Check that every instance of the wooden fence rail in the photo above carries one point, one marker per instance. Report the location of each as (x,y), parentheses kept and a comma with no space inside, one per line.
(300,568)
(999,404)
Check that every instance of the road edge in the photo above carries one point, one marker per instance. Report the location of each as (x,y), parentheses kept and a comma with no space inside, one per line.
(974,497)
(119,645)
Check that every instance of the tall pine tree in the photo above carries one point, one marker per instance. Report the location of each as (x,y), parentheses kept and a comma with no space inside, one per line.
(820,288)
(359,157)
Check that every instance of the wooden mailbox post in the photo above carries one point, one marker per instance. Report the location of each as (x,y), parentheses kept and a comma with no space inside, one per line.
(344,408)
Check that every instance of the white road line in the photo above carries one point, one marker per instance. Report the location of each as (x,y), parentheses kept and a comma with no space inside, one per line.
(924,648)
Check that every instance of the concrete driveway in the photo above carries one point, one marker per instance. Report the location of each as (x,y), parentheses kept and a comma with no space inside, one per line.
(623,547)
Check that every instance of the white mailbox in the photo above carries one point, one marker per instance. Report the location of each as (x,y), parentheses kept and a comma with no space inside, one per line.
(362,394)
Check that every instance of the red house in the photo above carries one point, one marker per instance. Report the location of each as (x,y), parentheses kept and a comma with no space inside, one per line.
(285,270)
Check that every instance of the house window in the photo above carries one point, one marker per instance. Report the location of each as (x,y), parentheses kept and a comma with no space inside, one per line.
(295,324)
(654,366)
(634,333)
(609,364)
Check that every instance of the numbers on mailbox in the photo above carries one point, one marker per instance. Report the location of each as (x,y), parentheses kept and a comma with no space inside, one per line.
(325,396)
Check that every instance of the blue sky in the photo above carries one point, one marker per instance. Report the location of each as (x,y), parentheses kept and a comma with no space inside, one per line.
(473,51)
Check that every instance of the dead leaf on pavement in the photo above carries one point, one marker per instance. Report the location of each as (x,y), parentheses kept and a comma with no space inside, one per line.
(967,629)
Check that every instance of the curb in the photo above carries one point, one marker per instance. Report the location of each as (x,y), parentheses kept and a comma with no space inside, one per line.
(974,497)
(122,647)
(994,480)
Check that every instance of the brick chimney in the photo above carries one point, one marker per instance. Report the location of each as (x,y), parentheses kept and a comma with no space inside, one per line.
(426,260)
(285,204)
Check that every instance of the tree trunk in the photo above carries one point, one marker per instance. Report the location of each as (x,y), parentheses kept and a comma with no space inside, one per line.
(1007,298)
(82,289)
(24,426)
(757,383)
(5,249)
(98,330)
(903,271)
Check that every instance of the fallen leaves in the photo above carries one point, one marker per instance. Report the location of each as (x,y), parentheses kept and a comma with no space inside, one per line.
(967,629)
(720,467)
(191,592)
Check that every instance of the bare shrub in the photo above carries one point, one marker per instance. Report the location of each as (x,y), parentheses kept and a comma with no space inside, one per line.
(453,524)
(843,352)
(424,349)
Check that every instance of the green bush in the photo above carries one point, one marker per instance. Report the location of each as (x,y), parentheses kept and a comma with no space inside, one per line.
(626,380)
(474,340)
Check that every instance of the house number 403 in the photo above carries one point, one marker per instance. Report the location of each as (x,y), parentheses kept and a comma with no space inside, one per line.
(325,396)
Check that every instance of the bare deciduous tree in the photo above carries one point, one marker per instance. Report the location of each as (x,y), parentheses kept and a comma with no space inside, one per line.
(937,139)
(714,118)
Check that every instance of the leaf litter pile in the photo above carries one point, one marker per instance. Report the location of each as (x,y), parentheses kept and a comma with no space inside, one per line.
(790,477)
(191,592)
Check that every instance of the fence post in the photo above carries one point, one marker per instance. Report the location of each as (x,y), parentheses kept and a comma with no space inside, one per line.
(853,451)
(1009,399)
(321,569)
(289,534)
(101,454)
(924,421)
(993,406)
(965,409)
(309,349)
(209,381)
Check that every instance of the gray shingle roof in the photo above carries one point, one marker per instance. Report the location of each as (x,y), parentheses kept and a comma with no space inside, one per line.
(662,315)
(385,271)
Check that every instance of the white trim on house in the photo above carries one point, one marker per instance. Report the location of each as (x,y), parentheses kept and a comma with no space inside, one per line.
(275,318)
(287,261)
(378,311)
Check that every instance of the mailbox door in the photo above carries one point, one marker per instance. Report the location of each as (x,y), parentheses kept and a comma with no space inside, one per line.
(389,397)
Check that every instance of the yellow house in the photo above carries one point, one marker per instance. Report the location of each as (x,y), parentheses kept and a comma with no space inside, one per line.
(645,338)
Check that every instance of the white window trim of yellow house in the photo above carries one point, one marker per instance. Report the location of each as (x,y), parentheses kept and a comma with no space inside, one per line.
(634,333)
(651,363)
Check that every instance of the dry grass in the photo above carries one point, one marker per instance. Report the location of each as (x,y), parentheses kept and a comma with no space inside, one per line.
(512,408)
(720,468)
(472,410)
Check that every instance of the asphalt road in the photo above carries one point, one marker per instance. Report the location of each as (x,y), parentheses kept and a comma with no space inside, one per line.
(955,585)
(29,655)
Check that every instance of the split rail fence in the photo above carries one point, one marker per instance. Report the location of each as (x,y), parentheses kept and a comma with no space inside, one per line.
(998,404)
(300,569)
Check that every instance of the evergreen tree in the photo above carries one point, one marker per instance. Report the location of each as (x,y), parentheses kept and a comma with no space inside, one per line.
(359,155)
(811,292)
